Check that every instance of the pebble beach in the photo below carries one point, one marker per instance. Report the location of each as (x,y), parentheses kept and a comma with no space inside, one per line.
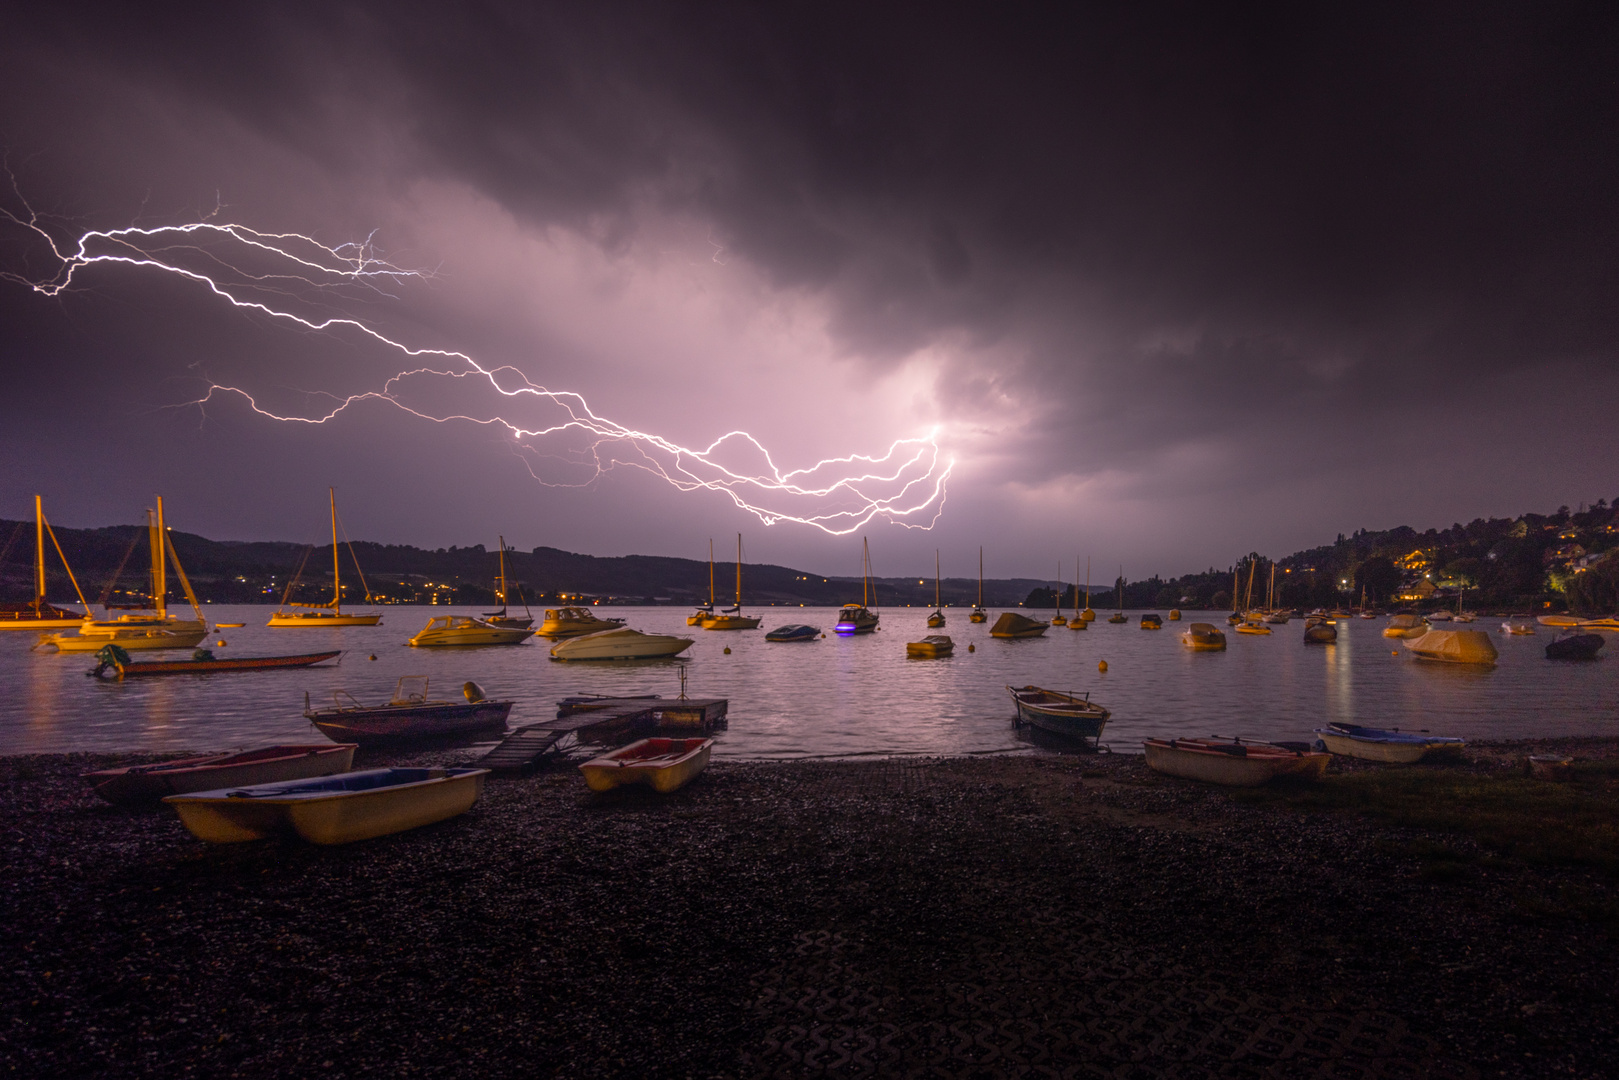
(1035,915)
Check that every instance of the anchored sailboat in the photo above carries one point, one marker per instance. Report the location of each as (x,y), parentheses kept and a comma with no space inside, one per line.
(1119,615)
(40,614)
(330,614)
(156,630)
(979,614)
(1059,619)
(732,618)
(500,618)
(1079,622)
(705,611)
(859,618)
(937,618)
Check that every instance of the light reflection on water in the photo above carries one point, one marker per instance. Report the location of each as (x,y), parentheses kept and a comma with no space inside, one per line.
(833,697)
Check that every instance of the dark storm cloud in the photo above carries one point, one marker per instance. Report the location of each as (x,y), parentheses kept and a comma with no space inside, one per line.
(1174,216)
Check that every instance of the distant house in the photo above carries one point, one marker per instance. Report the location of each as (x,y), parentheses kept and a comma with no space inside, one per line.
(1421,589)
(1563,554)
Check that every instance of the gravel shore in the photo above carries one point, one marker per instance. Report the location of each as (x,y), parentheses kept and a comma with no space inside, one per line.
(1013,916)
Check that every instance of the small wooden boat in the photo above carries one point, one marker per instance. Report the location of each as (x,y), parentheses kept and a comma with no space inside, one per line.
(1575,647)
(1059,713)
(1203,637)
(930,647)
(1394,745)
(979,615)
(1151,622)
(1405,626)
(1472,647)
(458,630)
(1232,762)
(408,716)
(114,659)
(620,643)
(664,765)
(1013,625)
(793,632)
(1551,766)
(335,810)
(136,784)
(574,622)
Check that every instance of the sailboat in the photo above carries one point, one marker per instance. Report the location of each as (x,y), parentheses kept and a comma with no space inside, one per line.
(979,614)
(705,611)
(1252,622)
(40,614)
(732,618)
(1119,616)
(859,618)
(328,614)
(1272,615)
(1088,615)
(500,618)
(936,619)
(1058,619)
(141,630)
(1078,621)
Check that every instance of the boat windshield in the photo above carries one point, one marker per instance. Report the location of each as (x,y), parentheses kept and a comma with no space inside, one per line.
(410,690)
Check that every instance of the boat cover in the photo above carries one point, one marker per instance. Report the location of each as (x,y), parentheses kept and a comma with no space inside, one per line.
(1011,622)
(1455,646)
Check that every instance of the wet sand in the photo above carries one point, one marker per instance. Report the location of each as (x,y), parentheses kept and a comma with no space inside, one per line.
(1007,916)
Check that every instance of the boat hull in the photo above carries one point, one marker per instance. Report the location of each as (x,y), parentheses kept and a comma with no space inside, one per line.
(731,622)
(286,619)
(139,668)
(386,725)
(131,640)
(1190,761)
(1392,752)
(340,810)
(793,633)
(1575,647)
(930,648)
(664,765)
(1059,714)
(1471,648)
(620,644)
(147,784)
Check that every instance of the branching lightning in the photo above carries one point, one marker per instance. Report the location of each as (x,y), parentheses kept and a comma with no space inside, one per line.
(269,274)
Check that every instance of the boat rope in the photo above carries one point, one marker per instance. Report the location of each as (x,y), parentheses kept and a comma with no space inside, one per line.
(112,582)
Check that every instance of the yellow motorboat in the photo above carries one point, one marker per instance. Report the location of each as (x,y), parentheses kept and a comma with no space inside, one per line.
(929,648)
(1252,626)
(570,622)
(465,630)
(40,614)
(1151,622)
(153,629)
(1174,614)
(1405,626)
(732,618)
(331,613)
(331,810)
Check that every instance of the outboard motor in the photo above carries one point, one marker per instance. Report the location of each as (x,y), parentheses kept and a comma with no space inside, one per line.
(474,693)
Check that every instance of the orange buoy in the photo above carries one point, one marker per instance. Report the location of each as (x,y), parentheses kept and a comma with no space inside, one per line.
(727,650)
(972,648)
(1102,666)
(221,643)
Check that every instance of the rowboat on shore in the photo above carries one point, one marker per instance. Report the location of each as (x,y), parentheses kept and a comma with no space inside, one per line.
(136,784)
(332,810)
(1063,714)
(408,716)
(202,662)
(1395,746)
(664,765)
(929,648)
(1232,762)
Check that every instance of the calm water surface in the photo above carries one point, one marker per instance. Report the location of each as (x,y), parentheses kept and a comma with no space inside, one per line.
(832,697)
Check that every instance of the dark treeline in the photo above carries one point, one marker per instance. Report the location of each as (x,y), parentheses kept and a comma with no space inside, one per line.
(1566,559)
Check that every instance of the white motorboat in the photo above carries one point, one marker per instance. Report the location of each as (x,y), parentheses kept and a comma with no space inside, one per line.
(620,643)
(465,630)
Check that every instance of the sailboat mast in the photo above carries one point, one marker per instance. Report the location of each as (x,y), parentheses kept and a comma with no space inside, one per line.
(711,572)
(739,573)
(160,580)
(337,587)
(1087,584)
(502,574)
(935,579)
(39,554)
(865,572)
(980,575)
(1059,586)
(1076,585)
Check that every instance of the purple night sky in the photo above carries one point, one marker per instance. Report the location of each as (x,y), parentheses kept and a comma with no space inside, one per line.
(1166,285)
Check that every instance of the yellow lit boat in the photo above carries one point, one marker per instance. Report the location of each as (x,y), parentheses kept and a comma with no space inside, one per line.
(332,810)
(574,622)
(1472,647)
(936,619)
(732,618)
(1151,622)
(1252,626)
(979,614)
(40,614)
(619,643)
(859,618)
(465,630)
(705,611)
(930,648)
(664,765)
(329,614)
(1405,626)
(1174,614)
(154,630)
(1203,637)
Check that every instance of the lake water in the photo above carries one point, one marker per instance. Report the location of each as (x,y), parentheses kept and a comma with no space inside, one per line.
(832,697)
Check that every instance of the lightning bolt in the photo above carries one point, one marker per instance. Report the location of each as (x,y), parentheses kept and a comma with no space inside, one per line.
(271,274)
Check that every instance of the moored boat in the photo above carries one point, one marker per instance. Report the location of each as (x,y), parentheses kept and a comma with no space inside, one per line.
(1560,621)
(1231,762)
(42,614)
(1060,713)
(1151,622)
(570,622)
(334,810)
(501,618)
(1394,745)
(979,614)
(859,618)
(930,647)
(1609,623)
(136,784)
(1570,646)
(936,616)
(664,765)
(202,662)
(1320,631)
(1405,626)
(331,613)
(408,716)
(1174,614)
(732,618)
(1203,637)
(1252,626)
(1518,629)
(446,630)
(793,632)
(1013,625)
(620,643)
(1471,647)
